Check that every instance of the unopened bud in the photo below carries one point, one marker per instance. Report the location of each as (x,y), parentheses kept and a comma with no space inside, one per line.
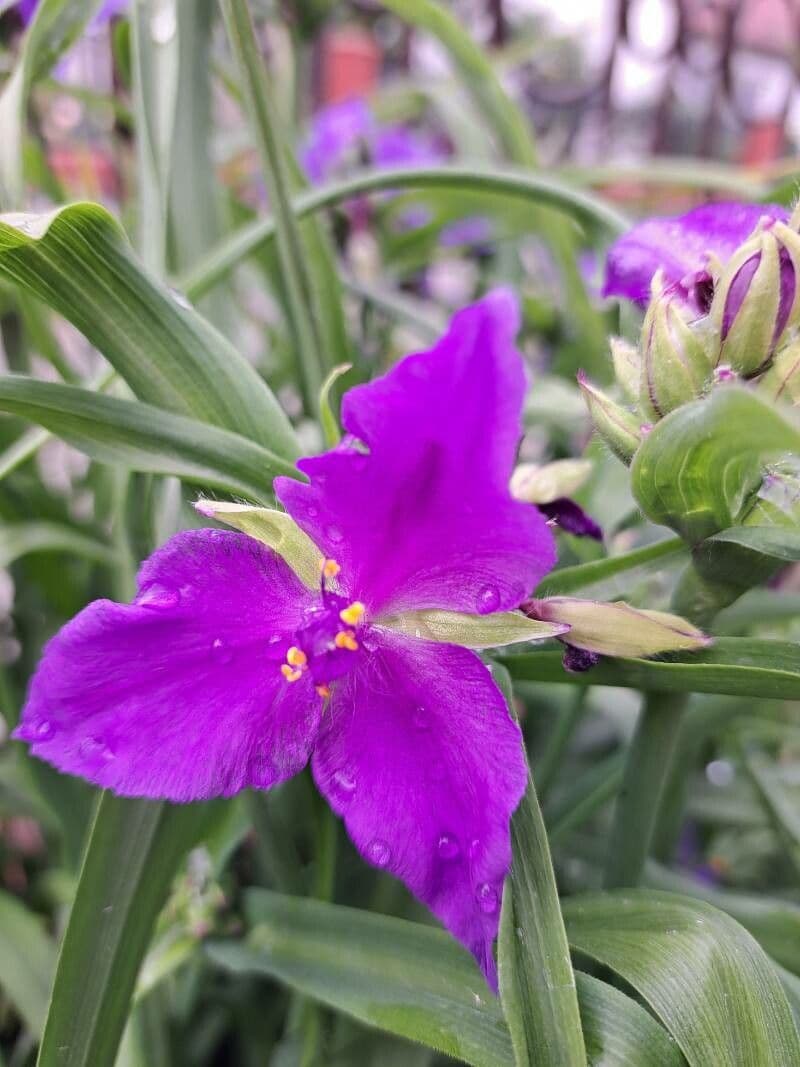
(618,629)
(782,380)
(755,300)
(627,367)
(541,484)
(675,360)
(617,426)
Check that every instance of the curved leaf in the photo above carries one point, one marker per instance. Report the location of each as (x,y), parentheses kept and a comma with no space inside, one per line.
(698,469)
(415,981)
(78,261)
(18,539)
(735,666)
(143,437)
(134,851)
(705,977)
(27,961)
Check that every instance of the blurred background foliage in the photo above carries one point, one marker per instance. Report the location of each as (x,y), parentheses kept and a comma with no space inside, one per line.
(550,125)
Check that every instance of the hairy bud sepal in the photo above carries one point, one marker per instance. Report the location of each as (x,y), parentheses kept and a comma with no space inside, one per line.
(617,426)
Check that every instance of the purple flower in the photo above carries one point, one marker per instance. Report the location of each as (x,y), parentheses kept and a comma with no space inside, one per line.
(108,10)
(228,672)
(349,133)
(680,245)
(571,518)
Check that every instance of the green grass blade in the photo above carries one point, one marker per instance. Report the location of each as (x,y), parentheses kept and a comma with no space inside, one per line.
(133,854)
(143,437)
(27,961)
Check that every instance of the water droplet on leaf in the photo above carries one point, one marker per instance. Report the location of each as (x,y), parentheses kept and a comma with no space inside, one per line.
(449,847)
(378,852)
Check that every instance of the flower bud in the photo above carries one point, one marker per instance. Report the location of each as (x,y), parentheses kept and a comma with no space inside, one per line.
(618,629)
(755,299)
(675,363)
(782,380)
(534,483)
(627,367)
(616,425)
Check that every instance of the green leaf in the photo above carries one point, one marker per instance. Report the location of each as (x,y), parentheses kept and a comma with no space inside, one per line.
(619,1032)
(416,982)
(328,420)
(502,116)
(18,539)
(493,181)
(56,24)
(703,975)
(27,961)
(699,468)
(78,261)
(143,437)
(779,804)
(403,977)
(734,666)
(537,984)
(568,579)
(133,854)
(744,556)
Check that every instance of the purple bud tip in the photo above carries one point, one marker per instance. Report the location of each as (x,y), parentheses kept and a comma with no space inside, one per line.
(204,508)
(645,428)
(741,284)
(571,518)
(579,660)
(724,373)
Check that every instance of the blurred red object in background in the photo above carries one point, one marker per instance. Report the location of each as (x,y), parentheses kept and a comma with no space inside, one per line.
(350,64)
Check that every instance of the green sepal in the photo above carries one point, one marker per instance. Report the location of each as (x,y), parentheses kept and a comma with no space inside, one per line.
(675,361)
(617,426)
(472,631)
(782,380)
(273,528)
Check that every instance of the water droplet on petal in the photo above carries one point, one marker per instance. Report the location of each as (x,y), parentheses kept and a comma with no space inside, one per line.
(275,639)
(448,847)
(334,535)
(221,651)
(486,897)
(378,852)
(312,512)
(488,600)
(42,730)
(159,597)
(345,784)
(94,748)
(421,719)
(474,848)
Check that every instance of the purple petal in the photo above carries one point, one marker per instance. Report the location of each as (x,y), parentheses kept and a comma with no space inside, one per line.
(679,245)
(579,660)
(108,10)
(180,695)
(424,518)
(741,283)
(336,131)
(571,518)
(473,230)
(418,754)
(396,146)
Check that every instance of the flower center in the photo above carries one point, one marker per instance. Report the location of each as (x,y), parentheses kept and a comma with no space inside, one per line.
(326,646)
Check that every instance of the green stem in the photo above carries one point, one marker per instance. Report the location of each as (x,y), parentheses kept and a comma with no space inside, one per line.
(646,773)
(299,307)
(565,726)
(507,182)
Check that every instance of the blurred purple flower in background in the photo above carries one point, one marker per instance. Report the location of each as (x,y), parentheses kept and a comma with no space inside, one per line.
(107,10)
(679,245)
(227,672)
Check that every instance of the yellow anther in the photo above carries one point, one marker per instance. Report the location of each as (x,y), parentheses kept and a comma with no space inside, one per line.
(346,639)
(330,568)
(353,613)
(296,657)
(289,673)
(324,691)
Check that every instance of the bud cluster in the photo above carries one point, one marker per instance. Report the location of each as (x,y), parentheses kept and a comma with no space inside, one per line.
(750,332)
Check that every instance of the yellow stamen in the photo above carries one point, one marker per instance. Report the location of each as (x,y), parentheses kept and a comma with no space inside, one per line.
(296,657)
(289,673)
(323,691)
(330,568)
(346,639)
(353,613)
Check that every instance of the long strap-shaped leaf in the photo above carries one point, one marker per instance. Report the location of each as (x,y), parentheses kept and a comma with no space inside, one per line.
(134,851)
(416,982)
(732,666)
(78,261)
(704,976)
(144,437)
